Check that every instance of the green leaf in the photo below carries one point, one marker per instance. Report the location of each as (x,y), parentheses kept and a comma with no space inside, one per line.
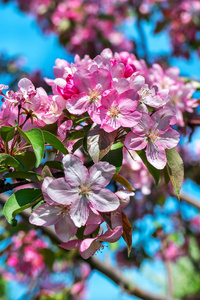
(20,201)
(86,130)
(8,160)
(154,172)
(36,139)
(78,134)
(27,159)
(166,176)
(51,128)
(54,141)
(25,175)
(77,145)
(114,157)
(49,257)
(7,133)
(175,169)
(58,165)
(117,145)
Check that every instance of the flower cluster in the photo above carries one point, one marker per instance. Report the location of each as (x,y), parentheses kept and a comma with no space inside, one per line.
(113,100)
(78,200)
(32,263)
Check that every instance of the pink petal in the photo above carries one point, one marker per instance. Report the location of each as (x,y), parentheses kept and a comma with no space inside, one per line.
(130,120)
(61,192)
(131,97)
(79,211)
(74,244)
(135,142)
(75,173)
(89,229)
(137,82)
(122,85)
(102,79)
(144,125)
(78,104)
(112,236)
(169,139)
(156,155)
(118,70)
(46,182)
(88,247)
(104,200)
(124,195)
(65,228)
(83,80)
(163,118)
(100,175)
(45,215)
(116,219)
(26,85)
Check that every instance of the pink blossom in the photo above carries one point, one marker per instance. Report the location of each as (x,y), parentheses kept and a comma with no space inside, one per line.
(155,134)
(90,87)
(82,190)
(52,213)
(119,110)
(89,246)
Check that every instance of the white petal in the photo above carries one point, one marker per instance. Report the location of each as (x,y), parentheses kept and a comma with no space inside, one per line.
(79,211)
(75,172)
(104,200)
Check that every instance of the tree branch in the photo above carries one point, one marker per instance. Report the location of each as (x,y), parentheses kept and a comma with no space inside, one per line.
(106,269)
(186,198)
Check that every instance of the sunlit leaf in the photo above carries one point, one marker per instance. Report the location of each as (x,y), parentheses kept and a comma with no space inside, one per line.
(175,169)
(54,141)
(20,201)
(35,138)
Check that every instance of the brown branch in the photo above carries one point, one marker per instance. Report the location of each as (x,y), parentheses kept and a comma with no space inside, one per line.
(106,269)
(186,198)
(10,186)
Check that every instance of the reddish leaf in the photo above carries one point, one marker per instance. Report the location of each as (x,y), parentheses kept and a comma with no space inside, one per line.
(123,182)
(99,142)
(127,232)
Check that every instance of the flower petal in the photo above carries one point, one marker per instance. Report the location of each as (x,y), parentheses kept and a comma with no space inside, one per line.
(74,244)
(156,155)
(75,172)
(112,236)
(88,247)
(100,175)
(79,211)
(78,104)
(46,182)
(61,192)
(169,139)
(65,228)
(45,215)
(104,200)
(135,142)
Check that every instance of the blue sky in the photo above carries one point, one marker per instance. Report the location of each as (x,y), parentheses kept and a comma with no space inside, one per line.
(20,35)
